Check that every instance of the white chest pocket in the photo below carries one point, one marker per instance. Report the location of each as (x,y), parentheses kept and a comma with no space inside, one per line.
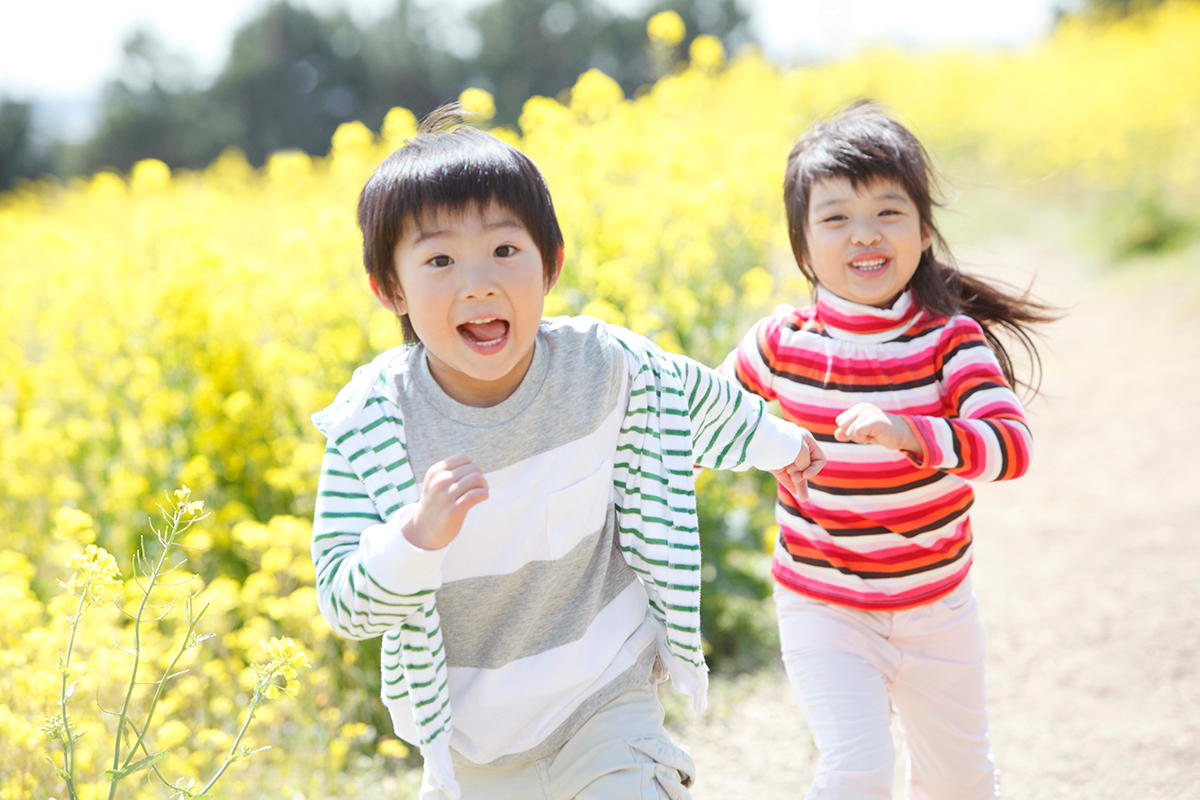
(579,510)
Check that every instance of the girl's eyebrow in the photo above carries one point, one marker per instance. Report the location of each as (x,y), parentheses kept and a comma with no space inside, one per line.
(833,201)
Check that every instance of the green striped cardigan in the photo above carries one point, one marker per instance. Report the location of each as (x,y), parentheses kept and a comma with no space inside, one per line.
(680,415)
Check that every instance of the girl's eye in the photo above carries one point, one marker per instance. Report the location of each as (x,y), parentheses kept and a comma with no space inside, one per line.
(440,261)
(834,218)
(888,212)
(505,250)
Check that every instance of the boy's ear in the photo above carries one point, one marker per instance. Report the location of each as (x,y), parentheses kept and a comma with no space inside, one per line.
(558,265)
(396,304)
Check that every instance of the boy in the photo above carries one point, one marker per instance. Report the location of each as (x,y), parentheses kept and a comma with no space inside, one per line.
(507,498)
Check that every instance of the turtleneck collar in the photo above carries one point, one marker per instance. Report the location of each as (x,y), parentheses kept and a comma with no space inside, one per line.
(843,319)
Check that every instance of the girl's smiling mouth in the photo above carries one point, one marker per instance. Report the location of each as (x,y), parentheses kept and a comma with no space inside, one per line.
(486,333)
(869,265)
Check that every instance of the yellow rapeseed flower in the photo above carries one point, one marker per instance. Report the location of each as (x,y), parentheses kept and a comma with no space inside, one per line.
(75,524)
(96,573)
(706,52)
(479,101)
(284,659)
(666,28)
(595,95)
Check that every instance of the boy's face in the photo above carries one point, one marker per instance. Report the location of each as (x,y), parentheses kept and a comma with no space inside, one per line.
(472,285)
(864,245)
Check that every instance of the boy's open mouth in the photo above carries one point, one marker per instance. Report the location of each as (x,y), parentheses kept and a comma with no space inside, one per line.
(484,332)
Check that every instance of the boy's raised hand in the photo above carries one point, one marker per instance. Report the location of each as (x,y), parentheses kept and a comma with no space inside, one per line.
(866,423)
(452,487)
(808,463)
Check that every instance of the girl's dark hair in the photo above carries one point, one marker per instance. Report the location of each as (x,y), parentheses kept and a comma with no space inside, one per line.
(863,144)
(450,166)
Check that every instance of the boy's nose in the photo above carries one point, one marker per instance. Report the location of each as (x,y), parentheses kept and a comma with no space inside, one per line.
(478,280)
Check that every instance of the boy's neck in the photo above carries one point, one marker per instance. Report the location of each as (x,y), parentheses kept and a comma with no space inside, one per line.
(478,393)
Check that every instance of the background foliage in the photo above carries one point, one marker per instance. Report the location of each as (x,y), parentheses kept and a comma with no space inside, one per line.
(293,76)
(161,327)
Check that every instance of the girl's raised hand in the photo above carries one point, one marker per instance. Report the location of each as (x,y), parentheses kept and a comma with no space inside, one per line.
(867,423)
(452,487)
(808,463)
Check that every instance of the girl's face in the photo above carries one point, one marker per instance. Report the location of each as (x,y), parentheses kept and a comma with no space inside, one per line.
(864,245)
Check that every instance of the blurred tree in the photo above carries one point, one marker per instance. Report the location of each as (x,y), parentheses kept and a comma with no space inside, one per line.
(1118,8)
(293,76)
(18,158)
(540,47)
(291,79)
(152,111)
(1122,7)
(407,68)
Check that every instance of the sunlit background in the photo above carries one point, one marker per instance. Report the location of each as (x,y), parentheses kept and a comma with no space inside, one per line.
(180,288)
(60,57)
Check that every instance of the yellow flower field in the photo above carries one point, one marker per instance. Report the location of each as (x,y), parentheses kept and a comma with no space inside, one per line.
(159,329)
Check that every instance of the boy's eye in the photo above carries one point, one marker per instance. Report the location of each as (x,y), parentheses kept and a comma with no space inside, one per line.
(440,261)
(505,250)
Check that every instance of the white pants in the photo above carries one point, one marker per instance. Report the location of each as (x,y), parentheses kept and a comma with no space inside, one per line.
(849,667)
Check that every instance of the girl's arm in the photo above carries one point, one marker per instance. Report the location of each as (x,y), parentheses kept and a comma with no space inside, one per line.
(369,577)
(749,365)
(981,434)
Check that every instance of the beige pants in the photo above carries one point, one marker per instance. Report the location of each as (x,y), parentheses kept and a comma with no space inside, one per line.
(621,753)
(849,668)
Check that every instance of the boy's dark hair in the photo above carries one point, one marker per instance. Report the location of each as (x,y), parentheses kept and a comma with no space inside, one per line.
(862,144)
(450,166)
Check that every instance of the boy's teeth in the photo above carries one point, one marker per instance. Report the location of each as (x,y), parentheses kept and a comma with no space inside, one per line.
(485,331)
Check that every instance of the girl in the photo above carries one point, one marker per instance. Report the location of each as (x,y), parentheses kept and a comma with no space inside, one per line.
(897,367)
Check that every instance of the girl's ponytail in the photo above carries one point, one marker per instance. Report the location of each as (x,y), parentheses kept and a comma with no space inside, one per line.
(1004,313)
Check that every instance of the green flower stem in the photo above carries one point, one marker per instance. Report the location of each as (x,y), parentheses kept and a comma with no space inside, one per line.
(152,577)
(229,757)
(158,691)
(68,739)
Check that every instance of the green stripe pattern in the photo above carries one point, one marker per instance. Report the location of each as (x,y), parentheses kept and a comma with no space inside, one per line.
(680,415)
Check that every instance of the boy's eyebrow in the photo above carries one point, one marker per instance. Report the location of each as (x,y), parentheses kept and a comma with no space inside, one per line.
(501,222)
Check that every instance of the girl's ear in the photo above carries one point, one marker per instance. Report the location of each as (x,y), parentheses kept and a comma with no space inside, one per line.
(558,265)
(926,237)
(396,304)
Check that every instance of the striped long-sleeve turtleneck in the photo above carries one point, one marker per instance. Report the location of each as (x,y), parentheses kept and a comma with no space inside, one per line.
(884,530)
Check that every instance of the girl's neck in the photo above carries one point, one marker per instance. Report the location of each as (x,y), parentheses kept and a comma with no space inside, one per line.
(844,319)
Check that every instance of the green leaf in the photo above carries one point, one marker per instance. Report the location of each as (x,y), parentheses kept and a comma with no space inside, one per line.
(137,766)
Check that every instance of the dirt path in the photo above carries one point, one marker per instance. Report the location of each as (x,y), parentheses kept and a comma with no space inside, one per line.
(1087,569)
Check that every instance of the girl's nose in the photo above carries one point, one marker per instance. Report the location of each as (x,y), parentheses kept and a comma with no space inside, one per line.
(865,235)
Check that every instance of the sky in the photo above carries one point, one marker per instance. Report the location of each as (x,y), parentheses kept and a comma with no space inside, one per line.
(60,53)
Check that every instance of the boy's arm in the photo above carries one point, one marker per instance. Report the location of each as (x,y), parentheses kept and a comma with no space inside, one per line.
(731,429)
(369,578)
(978,433)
